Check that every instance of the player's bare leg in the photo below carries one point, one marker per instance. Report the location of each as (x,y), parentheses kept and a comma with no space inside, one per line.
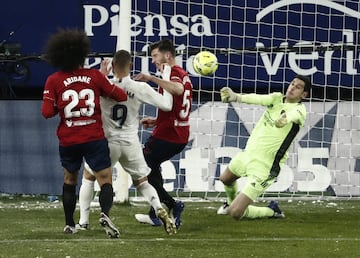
(239,205)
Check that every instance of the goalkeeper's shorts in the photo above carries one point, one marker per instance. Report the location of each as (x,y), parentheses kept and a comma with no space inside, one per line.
(256,171)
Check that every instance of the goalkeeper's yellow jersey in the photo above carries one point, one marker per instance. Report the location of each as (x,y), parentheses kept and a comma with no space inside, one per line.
(269,143)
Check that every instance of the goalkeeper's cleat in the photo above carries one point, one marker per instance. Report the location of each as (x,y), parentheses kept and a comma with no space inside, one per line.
(224,209)
(108,226)
(82,226)
(176,213)
(147,219)
(278,214)
(169,225)
(70,230)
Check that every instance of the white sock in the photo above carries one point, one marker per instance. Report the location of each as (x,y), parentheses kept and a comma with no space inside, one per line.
(86,195)
(150,194)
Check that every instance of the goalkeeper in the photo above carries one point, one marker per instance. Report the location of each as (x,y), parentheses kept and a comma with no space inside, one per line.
(266,150)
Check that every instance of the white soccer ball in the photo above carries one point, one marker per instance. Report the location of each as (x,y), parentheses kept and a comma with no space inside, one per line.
(205,63)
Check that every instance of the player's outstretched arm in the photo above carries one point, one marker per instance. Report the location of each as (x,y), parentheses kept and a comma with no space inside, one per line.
(105,67)
(148,122)
(48,109)
(227,95)
(281,121)
(150,96)
(296,115)
(173,88)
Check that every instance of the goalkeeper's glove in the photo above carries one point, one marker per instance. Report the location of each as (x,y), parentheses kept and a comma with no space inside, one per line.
(281,121)
(227,95)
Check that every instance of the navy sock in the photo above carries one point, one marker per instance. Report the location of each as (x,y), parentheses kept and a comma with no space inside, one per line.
(69,203)
(106,198)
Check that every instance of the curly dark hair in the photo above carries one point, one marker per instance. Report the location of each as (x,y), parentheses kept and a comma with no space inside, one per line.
(67,49)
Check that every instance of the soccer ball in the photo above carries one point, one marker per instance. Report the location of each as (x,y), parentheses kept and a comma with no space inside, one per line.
(205,63)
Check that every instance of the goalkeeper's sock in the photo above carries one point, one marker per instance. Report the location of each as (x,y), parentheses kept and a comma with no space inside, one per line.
(86,195)
(69,203)
(231,192)
(254,212)
(150,194)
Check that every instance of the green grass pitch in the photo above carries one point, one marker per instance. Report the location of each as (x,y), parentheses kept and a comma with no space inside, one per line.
(32,227)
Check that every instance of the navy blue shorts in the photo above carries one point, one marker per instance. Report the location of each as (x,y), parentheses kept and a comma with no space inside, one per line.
(96,154)
(156,151)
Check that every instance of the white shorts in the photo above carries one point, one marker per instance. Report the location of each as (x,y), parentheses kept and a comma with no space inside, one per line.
(128,152)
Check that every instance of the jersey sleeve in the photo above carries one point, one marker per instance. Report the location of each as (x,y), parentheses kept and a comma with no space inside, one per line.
(148,95)
(48,107)
(111,90)
(260,99)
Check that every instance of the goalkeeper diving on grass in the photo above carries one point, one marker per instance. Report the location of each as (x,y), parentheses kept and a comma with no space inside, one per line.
(266,150)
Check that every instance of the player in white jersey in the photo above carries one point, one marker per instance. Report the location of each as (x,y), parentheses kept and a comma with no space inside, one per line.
(121,121)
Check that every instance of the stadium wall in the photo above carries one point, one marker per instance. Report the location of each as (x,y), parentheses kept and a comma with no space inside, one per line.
(260,46)
(29,161)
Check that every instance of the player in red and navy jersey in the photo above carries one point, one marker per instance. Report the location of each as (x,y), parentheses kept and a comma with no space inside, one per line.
(74,93)
(121,123)
(172,128)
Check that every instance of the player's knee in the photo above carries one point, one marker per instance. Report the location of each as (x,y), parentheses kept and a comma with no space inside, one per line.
(224,181)
(138,182)
(227,177)
(85,181)
(70,179)
(235,212)
(227,181)
(104,177)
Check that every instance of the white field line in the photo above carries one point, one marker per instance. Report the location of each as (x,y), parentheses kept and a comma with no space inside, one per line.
(237,240)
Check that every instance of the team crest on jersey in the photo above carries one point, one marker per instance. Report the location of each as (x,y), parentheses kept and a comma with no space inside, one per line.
(130,94)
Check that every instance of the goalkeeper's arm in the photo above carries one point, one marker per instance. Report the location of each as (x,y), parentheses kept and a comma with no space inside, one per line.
(227,95)
(281,121)
(296,115)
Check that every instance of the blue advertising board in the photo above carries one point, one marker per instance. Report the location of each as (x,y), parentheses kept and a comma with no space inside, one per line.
(262,43)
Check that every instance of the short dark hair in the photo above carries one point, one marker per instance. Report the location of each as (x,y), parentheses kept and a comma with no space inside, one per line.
(163,46)
(307,82)
(122,58)
(67,49)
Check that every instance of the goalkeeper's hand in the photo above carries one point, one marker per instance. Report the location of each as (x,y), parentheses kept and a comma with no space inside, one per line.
(227,95)
(281,121)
